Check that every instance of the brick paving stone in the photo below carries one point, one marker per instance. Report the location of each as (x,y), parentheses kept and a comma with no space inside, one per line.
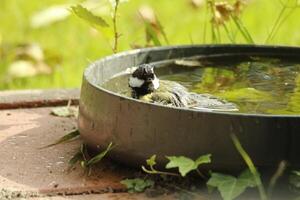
(118,196)
(37,98)
(26,169)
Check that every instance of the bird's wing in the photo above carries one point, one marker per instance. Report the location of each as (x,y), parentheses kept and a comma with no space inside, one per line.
(164,98)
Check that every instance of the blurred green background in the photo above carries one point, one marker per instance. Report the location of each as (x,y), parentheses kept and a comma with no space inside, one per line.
(63,49)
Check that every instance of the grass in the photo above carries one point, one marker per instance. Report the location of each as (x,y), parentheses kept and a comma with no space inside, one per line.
(77,45)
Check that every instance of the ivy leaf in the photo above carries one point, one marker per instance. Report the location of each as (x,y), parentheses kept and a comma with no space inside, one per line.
(294,180)
(185,165)
(88,16)
(151,161)
(100,156)
(229,186)
(72,135)
(137,184)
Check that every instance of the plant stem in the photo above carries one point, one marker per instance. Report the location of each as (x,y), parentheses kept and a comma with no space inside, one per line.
(201,174)
(154,171)
(205,24)
(243,30)
(230,37)
(116,34)
(276,23)
(275,177)
(248,161)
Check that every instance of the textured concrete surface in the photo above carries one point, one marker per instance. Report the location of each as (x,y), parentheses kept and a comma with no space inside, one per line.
(26,170)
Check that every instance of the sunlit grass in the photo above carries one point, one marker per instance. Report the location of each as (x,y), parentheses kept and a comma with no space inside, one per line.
(78,45)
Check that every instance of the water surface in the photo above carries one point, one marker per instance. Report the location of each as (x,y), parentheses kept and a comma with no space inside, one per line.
(256,84)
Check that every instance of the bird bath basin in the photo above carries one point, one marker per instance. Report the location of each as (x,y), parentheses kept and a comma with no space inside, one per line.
(140,129)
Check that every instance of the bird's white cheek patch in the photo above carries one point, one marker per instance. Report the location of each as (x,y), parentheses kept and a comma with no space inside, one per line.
(155,83)
(135,82)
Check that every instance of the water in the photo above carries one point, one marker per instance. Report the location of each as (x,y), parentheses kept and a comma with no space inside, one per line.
(255,84)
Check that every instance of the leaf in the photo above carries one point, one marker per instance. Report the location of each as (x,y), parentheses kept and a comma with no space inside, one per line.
(88,16)
(137,184)
(151,161)
(185,165)
(297,173)
(22,69)
(65,111)
(100,156)
(151,34)
(76,158)
(72,135)
(229,186)
(49,16)
(294,179)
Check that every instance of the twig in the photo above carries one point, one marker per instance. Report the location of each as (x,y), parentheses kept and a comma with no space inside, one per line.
(116,34)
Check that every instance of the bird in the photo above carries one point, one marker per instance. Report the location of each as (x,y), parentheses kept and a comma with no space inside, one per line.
(146,87)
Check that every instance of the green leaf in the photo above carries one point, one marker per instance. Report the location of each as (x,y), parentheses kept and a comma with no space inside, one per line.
(151,161)
(88,16)
(229,186)
(100,156)
(203,159)
(297,173)
(294,180)
(137,184)
(76,158)
(72,135)
(151,34)
(185,165)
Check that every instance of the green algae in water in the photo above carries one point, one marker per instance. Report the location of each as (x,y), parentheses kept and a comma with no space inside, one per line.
(256,84)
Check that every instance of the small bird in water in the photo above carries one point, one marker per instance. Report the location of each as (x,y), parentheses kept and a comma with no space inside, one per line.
(147,87)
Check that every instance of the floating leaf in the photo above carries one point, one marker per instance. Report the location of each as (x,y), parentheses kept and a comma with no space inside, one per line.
(100,156)
(49,16)
(137,184)
(88,16)
(70,136)
(229,186)
(185,165)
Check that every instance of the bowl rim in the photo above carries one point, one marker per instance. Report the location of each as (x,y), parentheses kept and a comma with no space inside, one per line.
(136,51)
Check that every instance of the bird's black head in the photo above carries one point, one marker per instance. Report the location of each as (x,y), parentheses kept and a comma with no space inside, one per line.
(143,80)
